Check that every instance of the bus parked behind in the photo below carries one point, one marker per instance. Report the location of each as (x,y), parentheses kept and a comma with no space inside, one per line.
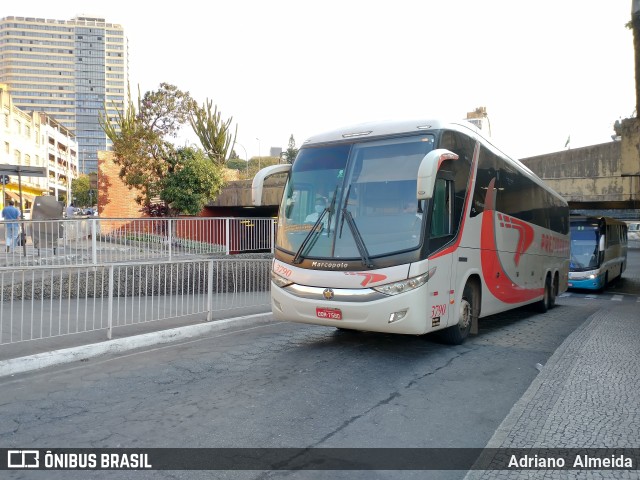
(598,251)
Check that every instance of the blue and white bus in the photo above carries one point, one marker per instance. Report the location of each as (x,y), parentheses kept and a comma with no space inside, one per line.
(598,251)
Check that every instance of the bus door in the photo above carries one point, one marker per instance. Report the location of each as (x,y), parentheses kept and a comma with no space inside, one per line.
(441,233)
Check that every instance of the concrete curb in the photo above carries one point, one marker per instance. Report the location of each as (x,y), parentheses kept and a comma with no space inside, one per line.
(68,355)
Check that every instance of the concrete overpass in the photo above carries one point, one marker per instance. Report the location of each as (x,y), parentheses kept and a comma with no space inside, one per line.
(598,177)
(235,199)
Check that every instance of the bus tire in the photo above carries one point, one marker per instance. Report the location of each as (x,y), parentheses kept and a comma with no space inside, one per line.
(457,334)
(347,330)
(605,283)
(553,293)
(544,304)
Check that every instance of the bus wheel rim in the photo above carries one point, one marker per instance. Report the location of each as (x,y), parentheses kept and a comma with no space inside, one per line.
(465,315)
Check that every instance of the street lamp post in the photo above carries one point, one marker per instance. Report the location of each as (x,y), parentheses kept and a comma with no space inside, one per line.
(246,158)
(259,156)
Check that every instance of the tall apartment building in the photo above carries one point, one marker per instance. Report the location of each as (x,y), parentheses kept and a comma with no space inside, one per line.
(71,70)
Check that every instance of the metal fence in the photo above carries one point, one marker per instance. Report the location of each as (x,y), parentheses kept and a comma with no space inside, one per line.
(44,302)
(95,241)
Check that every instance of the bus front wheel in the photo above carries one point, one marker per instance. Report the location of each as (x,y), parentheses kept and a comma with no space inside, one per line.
(603,287)
(457,334)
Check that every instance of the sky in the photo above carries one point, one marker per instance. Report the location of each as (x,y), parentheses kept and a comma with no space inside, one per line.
(546,71)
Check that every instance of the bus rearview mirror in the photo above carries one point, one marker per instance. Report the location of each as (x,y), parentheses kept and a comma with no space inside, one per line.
(428,170)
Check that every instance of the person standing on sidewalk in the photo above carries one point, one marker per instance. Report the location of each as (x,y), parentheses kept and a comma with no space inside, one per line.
(69,227)
(12,228)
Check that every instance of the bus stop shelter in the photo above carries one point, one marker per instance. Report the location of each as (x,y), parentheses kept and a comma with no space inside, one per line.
(20,171)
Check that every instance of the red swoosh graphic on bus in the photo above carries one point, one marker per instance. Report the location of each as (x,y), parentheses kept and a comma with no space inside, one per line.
(498,281)
(525,234)
(368,277)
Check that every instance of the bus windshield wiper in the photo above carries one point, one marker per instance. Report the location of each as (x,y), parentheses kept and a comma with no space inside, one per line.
(314,233)
(346,201)
(357,237)
(331,209)
(311,237)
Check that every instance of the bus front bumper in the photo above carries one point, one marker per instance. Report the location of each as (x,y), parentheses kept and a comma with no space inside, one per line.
(589,282)
(410,310)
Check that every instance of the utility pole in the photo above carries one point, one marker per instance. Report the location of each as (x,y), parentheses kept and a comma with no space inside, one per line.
(4,179)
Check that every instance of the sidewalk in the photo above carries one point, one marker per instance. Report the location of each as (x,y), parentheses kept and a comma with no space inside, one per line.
(586,396)
(37,354)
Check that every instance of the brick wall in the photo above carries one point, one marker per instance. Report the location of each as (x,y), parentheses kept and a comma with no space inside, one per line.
(115,199)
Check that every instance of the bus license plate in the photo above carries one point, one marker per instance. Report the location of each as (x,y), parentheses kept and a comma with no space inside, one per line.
(330,313)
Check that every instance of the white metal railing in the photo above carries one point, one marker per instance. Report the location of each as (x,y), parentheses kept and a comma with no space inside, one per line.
(39,303)
(95,241)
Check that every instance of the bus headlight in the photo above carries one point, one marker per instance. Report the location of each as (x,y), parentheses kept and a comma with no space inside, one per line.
(280,281)
(405,285)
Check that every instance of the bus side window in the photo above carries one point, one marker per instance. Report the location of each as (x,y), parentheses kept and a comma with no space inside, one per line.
(486,172)
(441,218)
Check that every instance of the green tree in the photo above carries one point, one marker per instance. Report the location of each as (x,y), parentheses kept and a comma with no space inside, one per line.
(193,181)
(140,138)
(255,164)
(237,164)
(81,191)
(290,154)
(214,134)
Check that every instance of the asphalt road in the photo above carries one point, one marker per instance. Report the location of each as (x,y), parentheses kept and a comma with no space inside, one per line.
(290,385)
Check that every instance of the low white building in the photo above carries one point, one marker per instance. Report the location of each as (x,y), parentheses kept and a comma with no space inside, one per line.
(36,139)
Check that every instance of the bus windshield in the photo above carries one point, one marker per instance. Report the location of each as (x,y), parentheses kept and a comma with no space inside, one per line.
(584,247)
(363,193)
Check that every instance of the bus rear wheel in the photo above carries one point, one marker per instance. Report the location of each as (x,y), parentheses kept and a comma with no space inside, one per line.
(457,334)
(553,292)
(545,304)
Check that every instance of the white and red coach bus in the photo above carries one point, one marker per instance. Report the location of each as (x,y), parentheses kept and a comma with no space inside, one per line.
(413,227)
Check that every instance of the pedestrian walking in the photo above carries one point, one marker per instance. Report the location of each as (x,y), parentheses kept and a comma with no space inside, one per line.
(12,229)
(69,226)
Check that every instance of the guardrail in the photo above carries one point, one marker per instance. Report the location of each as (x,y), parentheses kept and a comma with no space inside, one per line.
(44,302)
(95,241)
